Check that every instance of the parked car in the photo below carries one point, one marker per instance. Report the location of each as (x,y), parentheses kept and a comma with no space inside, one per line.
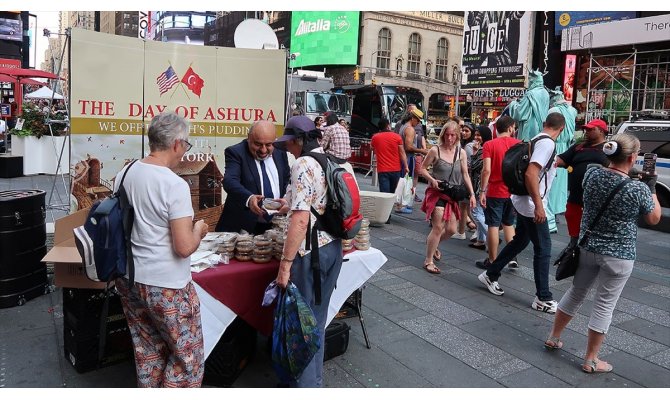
(653,130)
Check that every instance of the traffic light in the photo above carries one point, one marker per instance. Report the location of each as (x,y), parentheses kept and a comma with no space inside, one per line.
(356,77)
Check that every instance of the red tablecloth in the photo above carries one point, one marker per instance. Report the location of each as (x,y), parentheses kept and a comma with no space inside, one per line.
(240,286)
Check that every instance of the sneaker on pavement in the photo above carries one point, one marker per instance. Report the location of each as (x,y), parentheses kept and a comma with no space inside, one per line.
(493,287)
(548,306)
(417,199)
(483,264)
(513,264)
(404,210)
(473,238)
(460,236)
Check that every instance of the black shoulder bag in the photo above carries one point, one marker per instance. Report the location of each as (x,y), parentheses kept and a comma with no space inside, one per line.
(567,262)
(455,192)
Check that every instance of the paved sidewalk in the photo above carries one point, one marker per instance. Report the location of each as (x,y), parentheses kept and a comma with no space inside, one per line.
(442,331)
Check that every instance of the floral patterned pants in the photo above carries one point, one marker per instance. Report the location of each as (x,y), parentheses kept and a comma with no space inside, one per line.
(167,335)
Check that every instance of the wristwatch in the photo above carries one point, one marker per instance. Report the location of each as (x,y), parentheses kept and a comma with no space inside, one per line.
(283,258)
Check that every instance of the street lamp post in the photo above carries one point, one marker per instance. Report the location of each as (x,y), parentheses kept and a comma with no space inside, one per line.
(456,75)
(371,57)
(291,57)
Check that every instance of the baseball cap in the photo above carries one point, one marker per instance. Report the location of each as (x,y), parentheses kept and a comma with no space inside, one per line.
(596,123)
(417,113)
(294,126)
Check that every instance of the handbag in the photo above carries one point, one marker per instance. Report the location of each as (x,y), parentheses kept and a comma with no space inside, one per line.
(455,192)
(568,261)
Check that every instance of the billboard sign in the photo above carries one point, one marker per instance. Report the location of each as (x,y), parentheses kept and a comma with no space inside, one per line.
(11,29)
(617,33)
(568,19)
(569,77)
(324,38)
(496,48)
(115,94)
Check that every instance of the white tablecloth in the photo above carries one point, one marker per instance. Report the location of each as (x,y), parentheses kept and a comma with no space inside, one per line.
(356,270)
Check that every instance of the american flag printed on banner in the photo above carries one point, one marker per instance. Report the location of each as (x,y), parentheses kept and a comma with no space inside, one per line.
(167,80)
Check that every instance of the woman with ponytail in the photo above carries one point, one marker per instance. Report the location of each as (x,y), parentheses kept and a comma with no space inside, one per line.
(607,257)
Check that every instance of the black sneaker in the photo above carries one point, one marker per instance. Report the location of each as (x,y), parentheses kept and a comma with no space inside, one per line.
(483,264)
(513,264)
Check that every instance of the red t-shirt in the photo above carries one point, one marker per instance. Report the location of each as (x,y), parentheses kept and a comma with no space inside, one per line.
(385,145)
(495,150)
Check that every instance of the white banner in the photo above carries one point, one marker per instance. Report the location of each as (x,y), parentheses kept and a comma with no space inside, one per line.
(630,31)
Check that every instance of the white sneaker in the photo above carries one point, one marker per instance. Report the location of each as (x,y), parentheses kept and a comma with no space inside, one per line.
(548,306)
(460,236)
(493,287)
(474,235)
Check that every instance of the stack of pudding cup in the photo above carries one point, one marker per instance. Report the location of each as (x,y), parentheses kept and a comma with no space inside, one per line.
(362,239)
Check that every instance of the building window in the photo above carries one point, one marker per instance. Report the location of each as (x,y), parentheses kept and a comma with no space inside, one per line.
(441,64)
(384,51)
(414,56)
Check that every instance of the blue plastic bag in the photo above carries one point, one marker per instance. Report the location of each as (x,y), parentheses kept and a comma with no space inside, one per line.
(295,336)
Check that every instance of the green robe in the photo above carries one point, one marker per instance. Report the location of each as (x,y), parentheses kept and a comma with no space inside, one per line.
(531,110)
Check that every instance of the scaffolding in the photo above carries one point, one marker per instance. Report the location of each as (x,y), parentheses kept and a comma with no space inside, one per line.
(620,84)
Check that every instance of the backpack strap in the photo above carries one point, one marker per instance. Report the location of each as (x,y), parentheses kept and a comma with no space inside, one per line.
(312,236)
(531,149)
(312,242)
(128,219)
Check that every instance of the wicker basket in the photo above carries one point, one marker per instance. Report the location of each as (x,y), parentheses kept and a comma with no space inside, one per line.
(376,206)
(211,216)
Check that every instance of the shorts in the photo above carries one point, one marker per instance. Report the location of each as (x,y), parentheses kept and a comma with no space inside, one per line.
(418,161)
(410,164)
(573,218)
(499,212)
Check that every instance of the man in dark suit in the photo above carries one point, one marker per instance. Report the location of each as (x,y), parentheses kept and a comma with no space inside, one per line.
(253,171)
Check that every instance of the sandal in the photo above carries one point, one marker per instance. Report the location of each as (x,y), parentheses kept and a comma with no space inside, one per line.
(553,343)
(438,255)
(471,226)
(591,366)
(433,270)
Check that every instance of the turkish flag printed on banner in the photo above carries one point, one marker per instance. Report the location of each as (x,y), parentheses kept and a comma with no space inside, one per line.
(193,81)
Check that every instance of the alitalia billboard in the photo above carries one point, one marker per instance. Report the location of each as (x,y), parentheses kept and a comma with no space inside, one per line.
(324,38)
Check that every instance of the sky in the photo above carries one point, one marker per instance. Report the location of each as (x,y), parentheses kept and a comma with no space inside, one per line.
(48,20)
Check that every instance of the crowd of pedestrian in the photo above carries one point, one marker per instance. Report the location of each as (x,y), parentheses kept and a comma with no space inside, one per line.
(470,157)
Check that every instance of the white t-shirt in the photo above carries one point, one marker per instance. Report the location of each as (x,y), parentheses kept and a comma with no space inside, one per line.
(541,153)
(158,196)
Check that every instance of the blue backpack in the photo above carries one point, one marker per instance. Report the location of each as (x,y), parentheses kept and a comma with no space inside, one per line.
(104,240)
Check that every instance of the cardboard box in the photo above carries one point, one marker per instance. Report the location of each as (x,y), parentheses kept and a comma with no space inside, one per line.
(68,267)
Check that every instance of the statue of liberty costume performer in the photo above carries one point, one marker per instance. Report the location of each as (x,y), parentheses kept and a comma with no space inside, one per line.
(558,194)
(532,109)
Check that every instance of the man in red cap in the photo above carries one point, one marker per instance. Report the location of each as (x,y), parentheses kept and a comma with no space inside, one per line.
(575,160)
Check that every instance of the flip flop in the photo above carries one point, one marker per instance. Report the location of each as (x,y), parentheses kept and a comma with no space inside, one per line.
(438,255)
(553,343)
(433,270)
(591,366)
